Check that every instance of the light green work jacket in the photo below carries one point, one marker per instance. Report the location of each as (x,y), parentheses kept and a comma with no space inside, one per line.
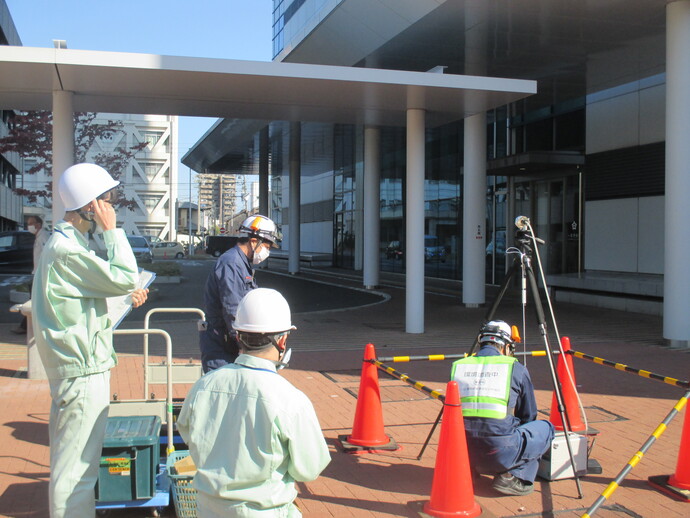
(68,300)
(252,435)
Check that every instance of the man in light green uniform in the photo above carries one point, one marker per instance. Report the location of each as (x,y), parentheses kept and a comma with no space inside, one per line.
(74,334)
(250,432)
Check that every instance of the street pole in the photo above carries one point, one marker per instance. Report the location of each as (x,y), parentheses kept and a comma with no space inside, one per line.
(189,214)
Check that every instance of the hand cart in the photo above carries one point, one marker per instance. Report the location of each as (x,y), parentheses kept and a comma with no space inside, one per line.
(185,373)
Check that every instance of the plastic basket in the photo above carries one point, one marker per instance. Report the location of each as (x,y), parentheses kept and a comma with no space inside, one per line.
(184,495)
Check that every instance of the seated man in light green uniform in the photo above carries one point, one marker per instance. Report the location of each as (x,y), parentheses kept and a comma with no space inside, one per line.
(250,432)
(74,334)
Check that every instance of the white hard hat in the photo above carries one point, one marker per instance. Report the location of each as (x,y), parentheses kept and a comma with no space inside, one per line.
(496,332)
(82,183)
(263,311)
(261,227)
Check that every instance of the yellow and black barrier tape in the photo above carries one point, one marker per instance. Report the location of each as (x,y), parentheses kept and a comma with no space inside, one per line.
(622,367)
(404,377)
(439,357)
(577,354)
(638,456)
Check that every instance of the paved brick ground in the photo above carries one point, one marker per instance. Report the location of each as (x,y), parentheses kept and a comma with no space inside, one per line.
(625,408)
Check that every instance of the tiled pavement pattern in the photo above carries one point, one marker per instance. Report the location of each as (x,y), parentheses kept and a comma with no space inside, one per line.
(327,356)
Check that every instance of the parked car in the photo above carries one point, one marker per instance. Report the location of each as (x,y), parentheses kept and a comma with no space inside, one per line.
(433,250)
(217,245)
(393,250)
(141,249)
(16,251)
(168,249)
(498,245)
(152,239)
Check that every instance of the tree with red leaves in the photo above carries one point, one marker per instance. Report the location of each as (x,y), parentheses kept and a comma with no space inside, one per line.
(31,137)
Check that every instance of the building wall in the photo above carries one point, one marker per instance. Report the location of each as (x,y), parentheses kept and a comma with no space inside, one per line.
(348,38)
(150,179)
(625,235)
(627,119)
(316,196)
(11,216)
(623,124)
(10,203)
(633,114)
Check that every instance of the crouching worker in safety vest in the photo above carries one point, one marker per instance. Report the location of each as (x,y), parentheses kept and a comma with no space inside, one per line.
(251,433)
(499,410)
(74,333)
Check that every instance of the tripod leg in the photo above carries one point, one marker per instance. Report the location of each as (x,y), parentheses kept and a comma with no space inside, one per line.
(554,377)
(501,292)
(433,428)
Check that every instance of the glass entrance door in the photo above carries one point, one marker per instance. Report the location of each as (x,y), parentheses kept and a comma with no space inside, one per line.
(553,207)
(548,223)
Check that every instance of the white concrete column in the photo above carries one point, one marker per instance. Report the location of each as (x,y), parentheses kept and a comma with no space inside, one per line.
(294,203)
(372,215)
(473,212)
(414,225)
(263,171)
(63,145)
(358,205)
(677,231)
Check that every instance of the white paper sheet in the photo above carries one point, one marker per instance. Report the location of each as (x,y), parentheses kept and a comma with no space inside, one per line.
(119,307)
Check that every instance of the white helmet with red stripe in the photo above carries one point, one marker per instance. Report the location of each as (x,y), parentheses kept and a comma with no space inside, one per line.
(261,227)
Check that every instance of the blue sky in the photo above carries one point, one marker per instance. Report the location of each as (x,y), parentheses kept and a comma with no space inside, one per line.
(230,29)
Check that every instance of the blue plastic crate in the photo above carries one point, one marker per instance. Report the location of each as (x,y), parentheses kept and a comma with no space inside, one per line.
(184,495)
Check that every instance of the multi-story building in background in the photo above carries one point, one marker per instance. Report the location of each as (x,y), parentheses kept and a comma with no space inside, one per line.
(217,199)
(11,216)
(149,179)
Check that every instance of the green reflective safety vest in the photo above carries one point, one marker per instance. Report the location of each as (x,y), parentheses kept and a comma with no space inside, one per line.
(484,383)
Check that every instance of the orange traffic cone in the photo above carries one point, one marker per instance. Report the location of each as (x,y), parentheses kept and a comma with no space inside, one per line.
(367,431)
(678,484)
(568,391)
(452,491)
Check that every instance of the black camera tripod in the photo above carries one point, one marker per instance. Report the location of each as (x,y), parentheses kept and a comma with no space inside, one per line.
(522,265)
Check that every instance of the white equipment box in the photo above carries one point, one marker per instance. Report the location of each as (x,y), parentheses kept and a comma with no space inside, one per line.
(555,464)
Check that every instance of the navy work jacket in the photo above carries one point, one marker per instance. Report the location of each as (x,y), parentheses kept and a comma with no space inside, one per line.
(231,279)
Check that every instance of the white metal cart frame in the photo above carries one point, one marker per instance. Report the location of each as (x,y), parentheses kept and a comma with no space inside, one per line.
(154,374)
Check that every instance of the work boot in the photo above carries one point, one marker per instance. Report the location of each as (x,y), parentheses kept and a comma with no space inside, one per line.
(511,485)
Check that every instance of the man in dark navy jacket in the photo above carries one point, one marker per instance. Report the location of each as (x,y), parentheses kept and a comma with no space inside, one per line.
(499,409)
(231,279)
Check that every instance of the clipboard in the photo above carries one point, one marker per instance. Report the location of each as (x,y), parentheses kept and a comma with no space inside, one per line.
(119,307)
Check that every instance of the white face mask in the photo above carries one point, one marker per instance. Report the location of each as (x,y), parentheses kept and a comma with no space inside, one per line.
(283,362)
(260,255)
(32,229)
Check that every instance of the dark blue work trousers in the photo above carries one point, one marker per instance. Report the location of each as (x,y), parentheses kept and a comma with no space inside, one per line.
(517,453)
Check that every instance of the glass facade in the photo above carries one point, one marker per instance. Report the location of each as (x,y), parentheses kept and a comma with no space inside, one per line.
(442,247)
(550,198)
(292,19)
(344,196)
(548,194)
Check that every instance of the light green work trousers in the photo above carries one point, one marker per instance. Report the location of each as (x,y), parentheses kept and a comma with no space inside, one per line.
(78,417)
(211,507)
